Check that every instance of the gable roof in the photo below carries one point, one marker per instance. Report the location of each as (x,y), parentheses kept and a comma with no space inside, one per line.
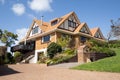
(95,30)
(65,17)
(47,28)
(81,26)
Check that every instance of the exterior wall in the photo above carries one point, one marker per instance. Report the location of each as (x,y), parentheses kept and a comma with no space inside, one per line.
(42,45)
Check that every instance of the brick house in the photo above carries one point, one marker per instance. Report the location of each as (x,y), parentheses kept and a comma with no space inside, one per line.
(41,34)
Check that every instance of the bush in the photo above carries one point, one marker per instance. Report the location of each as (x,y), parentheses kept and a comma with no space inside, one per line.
(1,60)
(69,51)
(59,59)
(107,51)
(3,50)
(17,54)
(8,58)
(53,49)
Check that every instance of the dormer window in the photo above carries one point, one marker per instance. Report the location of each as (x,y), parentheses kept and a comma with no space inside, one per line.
(54,22)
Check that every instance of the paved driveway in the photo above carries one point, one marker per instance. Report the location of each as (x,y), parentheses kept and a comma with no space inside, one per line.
(39,72)
(66,65)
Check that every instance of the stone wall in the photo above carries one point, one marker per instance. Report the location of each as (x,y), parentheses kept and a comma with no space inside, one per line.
(97,56)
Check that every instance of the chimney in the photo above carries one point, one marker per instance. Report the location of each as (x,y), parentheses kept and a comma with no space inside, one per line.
(42,20)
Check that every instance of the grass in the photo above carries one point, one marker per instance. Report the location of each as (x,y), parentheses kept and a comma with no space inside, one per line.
(111,64)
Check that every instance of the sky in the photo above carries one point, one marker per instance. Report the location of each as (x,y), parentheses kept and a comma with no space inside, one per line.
(17,15)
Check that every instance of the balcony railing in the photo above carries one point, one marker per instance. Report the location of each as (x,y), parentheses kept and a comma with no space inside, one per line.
(22,48)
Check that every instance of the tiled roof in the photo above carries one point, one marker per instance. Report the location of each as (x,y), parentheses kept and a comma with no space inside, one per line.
(46,27)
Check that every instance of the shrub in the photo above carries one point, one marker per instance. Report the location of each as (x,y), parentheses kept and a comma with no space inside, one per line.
(53,49)
(8,58)
(17,54)
(1,60)
(69,51)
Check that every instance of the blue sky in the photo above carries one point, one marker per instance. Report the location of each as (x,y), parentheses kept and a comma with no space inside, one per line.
(17,15)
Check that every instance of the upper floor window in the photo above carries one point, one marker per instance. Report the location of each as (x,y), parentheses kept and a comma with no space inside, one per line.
(46,38)
(54,22)
(98,35)
(84,30)
(35,30)
(71,23)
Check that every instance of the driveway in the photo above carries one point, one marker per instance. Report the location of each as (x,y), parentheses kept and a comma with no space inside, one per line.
(41,72)
(66,65)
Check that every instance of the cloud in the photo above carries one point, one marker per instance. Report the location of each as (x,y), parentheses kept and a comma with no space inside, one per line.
(2,1)
(31,16)
(18,9)
(21,34)
(40,5)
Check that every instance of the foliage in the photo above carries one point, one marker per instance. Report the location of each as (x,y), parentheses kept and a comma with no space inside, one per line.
(69,51)
(114,44)
(3,50)
(8,38)
(64,41)
(0,33)
(17,54)
(53,49)
(100,47)
(108,64)
(8,58)
(59,59)
(1,59)
(105,50)
(42,58)
(115,30)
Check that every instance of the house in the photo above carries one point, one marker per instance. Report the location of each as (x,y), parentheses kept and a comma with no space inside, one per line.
(41,34)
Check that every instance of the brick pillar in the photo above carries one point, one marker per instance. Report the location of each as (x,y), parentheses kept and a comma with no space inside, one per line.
(81,54)
(77,41)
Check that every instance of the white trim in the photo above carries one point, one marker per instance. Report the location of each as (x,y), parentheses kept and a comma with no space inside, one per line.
(38,51)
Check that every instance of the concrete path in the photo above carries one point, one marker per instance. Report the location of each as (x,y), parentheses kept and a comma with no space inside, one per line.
(66,65)
(39,72)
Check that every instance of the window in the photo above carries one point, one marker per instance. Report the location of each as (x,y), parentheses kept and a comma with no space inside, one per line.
(35,30)
(54,22)
(98,35)
(82,39)
(71,23)
(84,30)
(46,38)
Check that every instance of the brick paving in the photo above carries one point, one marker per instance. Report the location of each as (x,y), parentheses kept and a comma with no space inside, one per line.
(41,72)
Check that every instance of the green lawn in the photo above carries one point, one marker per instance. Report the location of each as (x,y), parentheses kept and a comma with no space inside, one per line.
(111,64)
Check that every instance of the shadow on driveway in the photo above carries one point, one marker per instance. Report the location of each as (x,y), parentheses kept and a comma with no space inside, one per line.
(5,70)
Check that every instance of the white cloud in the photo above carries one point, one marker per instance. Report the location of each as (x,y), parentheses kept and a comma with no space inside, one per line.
(18,9)
(21,34)
(40,5)
(2,1)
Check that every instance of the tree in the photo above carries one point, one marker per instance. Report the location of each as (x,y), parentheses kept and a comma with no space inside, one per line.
(53,49)
(115,30)
(8,58)
(0,33)
(8,38)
